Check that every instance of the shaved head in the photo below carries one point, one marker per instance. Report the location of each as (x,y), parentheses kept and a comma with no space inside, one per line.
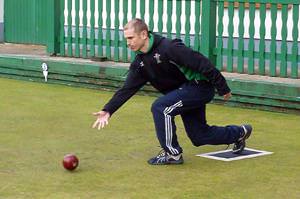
(138,25)
(137,35)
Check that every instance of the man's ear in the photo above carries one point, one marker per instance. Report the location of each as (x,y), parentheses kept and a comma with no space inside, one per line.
(144,34)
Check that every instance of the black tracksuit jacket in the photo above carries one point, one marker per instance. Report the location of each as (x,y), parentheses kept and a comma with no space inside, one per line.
(161,67)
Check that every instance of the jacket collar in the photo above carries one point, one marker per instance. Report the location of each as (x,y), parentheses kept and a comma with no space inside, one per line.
(151,41)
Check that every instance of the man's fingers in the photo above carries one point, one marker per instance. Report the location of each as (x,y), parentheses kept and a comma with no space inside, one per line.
(102,120)
(100,125)
(95,124)
(103,123)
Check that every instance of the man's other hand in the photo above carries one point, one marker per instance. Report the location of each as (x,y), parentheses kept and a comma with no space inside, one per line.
(227,96)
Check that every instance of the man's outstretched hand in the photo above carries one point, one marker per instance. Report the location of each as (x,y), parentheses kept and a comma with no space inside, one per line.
(227,96)
(102,119)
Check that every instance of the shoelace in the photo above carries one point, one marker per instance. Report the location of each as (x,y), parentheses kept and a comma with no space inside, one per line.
(161,153)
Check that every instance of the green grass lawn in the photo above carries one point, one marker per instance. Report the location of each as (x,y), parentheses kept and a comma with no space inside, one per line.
(40,123)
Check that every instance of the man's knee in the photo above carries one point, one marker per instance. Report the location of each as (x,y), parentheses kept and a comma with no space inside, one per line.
(196,142)
(199,136)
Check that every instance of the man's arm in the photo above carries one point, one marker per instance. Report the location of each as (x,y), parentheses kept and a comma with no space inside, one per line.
(133,83)
(186,57)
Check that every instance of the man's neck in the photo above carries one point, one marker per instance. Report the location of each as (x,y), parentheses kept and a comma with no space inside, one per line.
(145,48)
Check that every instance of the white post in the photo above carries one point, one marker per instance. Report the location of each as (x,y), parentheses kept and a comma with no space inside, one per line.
(1,20)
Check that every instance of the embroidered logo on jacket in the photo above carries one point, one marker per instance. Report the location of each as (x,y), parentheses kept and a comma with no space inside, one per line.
(142,64)
(157,57)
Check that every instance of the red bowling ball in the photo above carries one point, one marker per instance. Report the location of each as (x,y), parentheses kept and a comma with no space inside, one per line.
(70,162)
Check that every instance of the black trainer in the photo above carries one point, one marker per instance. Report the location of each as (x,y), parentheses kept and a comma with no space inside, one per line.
(164,158)
(239,146)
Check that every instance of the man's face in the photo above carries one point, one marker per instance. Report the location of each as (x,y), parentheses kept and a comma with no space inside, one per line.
(135,41)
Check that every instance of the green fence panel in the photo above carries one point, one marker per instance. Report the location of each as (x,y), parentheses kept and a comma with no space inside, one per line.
(62,29)
(262,43)
(84,29)
(116,37)
(33,22)
(229,67)
(169,19)
(143,9)
(240,67)
(219,64)
(24,21)
(77,30)
(108,30)
(197,25)
(187,29)
(251,39)
(295,57)
(133,12)
(178,17)
(187,23)
(151,13)
(208,29)
(69,40)
(124,43)
(160,16)
(92,30)
(273,40)
(50,25)
(283,53)
(100,32)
